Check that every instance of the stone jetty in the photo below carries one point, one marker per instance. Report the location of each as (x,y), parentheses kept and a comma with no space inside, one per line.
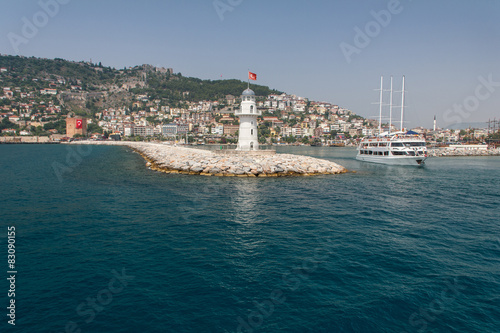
(447,152)
(184,160)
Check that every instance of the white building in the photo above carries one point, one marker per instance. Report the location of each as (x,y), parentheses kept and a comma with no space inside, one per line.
(48,91)
(368,131)
(248,114)
(169,130)
(128,129)
(218,130)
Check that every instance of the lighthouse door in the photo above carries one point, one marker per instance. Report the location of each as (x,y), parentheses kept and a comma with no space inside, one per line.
(251,145)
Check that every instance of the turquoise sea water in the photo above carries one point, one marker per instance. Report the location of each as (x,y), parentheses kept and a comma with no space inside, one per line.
(105,245)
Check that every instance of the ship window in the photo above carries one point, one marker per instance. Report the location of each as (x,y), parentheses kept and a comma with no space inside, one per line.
(386,153)
(382,144)
(417,144)
(396,144)
(373,144)
(370,152)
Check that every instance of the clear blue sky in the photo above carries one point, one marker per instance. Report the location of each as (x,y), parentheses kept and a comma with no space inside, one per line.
(442,47)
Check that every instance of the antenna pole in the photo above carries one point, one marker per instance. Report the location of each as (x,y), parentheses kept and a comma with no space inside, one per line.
(402,103)
(380,108)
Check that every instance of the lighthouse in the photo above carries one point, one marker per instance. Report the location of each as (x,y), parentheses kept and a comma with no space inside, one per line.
(248,113)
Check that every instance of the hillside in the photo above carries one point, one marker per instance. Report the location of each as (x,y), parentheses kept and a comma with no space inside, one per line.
(84,87)
(36,95)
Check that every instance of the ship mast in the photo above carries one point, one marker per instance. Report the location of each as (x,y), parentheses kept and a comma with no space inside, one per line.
(390,109)
(380,109)
(402,103)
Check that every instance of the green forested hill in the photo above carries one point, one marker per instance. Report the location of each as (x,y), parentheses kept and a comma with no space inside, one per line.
(37,68)
(172,88)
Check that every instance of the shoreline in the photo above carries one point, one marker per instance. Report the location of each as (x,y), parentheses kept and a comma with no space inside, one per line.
(191,161)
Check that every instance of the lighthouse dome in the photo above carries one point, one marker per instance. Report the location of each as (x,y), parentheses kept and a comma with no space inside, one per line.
(248,92)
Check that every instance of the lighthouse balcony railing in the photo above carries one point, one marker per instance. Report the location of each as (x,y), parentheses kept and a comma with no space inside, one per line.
(240,113)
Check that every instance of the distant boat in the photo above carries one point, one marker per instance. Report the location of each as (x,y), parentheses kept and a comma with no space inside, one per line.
(397,148)
(337,144)
(316,144)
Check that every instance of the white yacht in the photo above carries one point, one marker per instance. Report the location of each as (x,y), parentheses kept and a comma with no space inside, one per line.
(397,148)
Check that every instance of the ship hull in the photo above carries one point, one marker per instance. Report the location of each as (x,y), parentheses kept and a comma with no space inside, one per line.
(393,160)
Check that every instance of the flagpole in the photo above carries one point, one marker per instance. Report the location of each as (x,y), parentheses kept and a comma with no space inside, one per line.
(248,78)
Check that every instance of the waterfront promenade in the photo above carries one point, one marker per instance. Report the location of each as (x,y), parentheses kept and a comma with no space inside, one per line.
(184,160)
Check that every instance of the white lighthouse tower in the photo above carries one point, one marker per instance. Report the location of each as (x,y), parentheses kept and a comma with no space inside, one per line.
(248,113)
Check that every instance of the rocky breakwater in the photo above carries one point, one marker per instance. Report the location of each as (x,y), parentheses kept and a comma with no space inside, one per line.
(172,159)
(446,152)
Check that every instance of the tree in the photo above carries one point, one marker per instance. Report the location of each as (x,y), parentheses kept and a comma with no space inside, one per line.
(38,131)
(94,128)
(59,125)
(6,123)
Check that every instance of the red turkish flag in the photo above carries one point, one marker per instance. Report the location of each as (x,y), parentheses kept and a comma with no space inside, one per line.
(79,123)
(252,76)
